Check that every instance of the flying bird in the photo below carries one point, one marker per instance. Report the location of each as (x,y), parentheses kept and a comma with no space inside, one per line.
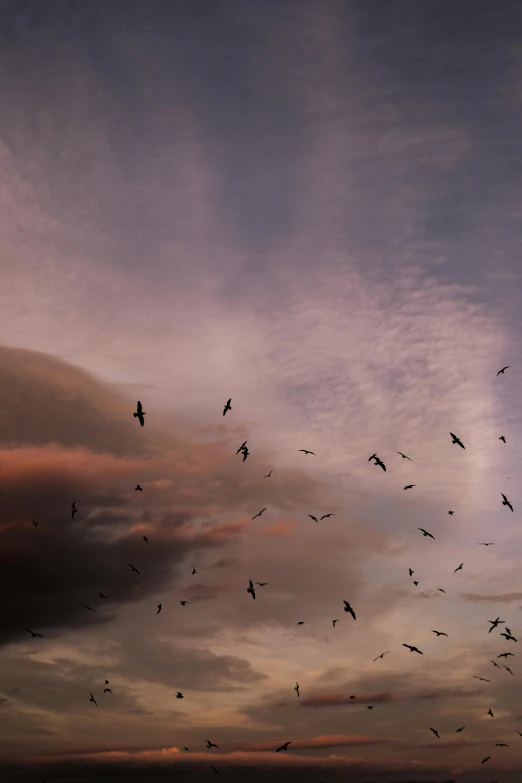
(145,539)
(325,516)
(502,438)
(494,623)
(404,456)
(380,463)
(106,682)
(489,543)
(93,700)
(482,679)
(133,568)
(348,608)
(89,607)
(506,655)
(507,669)
(425,533)
(307,452)
(296,689)
(435,732)
(74,510)
(457,440)
(440,590)
(459,568)
(140,413)
(312,517)
(411,648)
(506,502)
(228,406)
(490,712)
(503,370)
(451,513)
(159,609)
(508,637)
(260,512)
(179,695)
(183,603)
(102,596)
(381,655)
(501,745)
(518,732)
(193,572)
(334,621)
(440,633)
(495,664)
(415,583)
(35,523)
(211,745)
(107,690)
(137,488)
(301,622)
(486,759)
(241,448)
(268,474)
(284,747)
(261,584)
(411,571)
(245,453)
(33,633)
(251,590)
(410,486)
(461,729)
(214,769)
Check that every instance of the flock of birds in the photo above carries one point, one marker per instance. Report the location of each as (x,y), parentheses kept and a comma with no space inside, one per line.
(243,449)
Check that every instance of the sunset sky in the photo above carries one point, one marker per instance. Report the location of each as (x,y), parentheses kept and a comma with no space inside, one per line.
(313,207)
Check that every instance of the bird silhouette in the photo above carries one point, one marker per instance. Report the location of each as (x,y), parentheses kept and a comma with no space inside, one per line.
(307,452)
(489,543)
(440,633)
(93,700)
(404,456)
(509,637)
(348,608)
(107,690)
(507,669)
(243,445)
(251,590)
(459,568)
(261,584)
(296,689)
(440,590)
(183,603)
(268,474)
(457,440)
(415,583)
(245,453)
(503,370)
(380,463)
(33,633)
(312,517)
(506,655)
(227,407)
(486,759)
(74,510)
(145,539)
(411,648)
(495,664)
(214,769)
(502,438)
(89,607)
(505,501)
(411,571)
(137,488)
(211,745)
(451,513)
(494,623)
(106,682)
(518,732)
(179,695)
(334,621)
(410,486)
(301,622)
(425,533)
(260,512)
(35,523)
(133,568)
(140,413)
(284,747)
(461,729)
(381,655)
(435,732)
(490,711)
(159,609)
(501,745)
(193,572)
(482,679)
(325,516)
(102,596)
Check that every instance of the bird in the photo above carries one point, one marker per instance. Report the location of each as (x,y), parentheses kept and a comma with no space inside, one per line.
(140,413)
(461,729)
(241,447)
(89,607)
(145,539)
(159,609)
(495,664)
(312,517)
(404,456)
(33,633)
(348,608)
(482,679)
(211,745)
(425,533)
(506,502)
(307,452)
(93,700)
(251,590)
(489,543)
(507,669)
(501,745)
(518,732)
(193,572)
(137,488)
(296,689)
(440,633)
(381,655)
(133,568)
(227,407)
(179,695)
(325,516)
(494,623)
(260,512)
(502,438)
(245,454)
(508,637)
(486,759)
(410,486)
(261,584)
(183,603)
(380,463)
(415,583)
(106,682)
(214,769)
(369,707)
(503,370)
(457,440)
(440,590)
(334,621)
(411,571)
(301,622)
(435,732)
(459,568)
(184,748)
(284,747)
(413,649)
(107,690)
(74,510)
(35,523)
(506,655)
(451,513)
(102,596)
(490,712)
(268,474)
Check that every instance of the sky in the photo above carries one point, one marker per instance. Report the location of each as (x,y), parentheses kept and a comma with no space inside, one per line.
(311,207)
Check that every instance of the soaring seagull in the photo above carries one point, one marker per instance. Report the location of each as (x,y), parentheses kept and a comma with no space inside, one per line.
(425,532)
(348,608)
(457,440)
(503,370)
(228,406)
(505,502)
(307,452)
(404,456)
(140,413)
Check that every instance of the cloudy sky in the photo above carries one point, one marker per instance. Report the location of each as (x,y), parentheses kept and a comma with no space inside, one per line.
(312,207)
